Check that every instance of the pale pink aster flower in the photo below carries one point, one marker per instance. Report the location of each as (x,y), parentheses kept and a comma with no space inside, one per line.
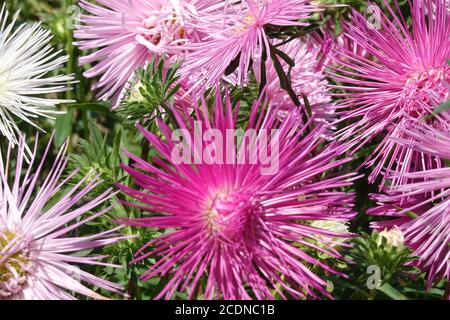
(27,64)
(422,206)
(231,231)
(237,32)
(403,67)
(307,78)
(36,248)
(128,34)
(336,46)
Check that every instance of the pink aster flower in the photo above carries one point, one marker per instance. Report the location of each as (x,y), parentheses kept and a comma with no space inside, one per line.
(127,34)
(403,68)
(421,206)
(233,232)
(336,47)
(36,245)
(237,32)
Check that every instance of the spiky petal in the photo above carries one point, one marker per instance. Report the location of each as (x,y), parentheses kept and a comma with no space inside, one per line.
(421,207)
(236,35)
(36,246)
(26,57)
(126,35)
(402,71)
(231,231)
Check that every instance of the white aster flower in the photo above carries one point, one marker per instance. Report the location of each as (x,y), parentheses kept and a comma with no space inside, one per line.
(26,57)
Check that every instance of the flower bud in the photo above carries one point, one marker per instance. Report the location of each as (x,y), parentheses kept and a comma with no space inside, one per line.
(394,238)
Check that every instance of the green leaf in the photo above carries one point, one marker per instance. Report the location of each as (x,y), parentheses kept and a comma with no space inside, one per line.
(391,292)
(115,154)
(285,57)
(63,128)
(285,83)
(307,105)
(233,65)
(443,107)
(153,90)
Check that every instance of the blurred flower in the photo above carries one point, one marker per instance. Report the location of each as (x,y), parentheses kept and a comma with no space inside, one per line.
(401,71)
(421,207)
(127,35)
(25,58)
(37,258)
(232,232)
(235,35)
(334,226)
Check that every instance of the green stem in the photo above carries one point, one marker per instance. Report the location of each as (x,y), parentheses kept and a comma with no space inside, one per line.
(132,287)
(71,63)
(71,67)
(372,294)
(446,295)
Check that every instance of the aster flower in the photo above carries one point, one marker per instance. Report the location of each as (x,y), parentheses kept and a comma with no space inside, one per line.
(237,33)
(127,35)
(36,248)
(25,58)
(421,206)
(335,47)
(234,232)
(402,71)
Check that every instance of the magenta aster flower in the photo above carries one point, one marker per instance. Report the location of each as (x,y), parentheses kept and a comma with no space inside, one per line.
(36,248)
(233,232)
(128,34)
(421,207)
(237,32)
(403,68)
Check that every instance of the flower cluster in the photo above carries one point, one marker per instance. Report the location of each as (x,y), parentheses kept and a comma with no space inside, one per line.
(221,150)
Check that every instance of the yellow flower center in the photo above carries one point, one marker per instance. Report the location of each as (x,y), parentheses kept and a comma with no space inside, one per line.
(15,264)
(247,22)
